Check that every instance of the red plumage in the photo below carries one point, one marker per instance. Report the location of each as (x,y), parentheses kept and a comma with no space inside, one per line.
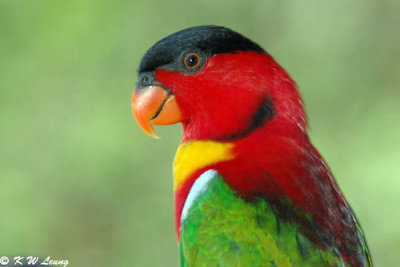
(276,160)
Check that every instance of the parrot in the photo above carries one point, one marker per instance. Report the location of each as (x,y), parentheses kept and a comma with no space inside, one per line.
(249,187)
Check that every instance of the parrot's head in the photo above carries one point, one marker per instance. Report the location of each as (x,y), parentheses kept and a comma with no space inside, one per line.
(218,84)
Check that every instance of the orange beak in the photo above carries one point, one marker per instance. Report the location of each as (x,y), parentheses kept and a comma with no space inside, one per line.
(154,105)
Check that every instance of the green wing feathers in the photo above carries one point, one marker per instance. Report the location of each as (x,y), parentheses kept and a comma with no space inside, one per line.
(222,229)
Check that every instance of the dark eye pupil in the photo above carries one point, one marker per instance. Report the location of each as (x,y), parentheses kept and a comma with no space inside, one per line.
(192,60)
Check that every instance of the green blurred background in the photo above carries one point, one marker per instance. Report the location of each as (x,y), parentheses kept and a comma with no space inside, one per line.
(80,181)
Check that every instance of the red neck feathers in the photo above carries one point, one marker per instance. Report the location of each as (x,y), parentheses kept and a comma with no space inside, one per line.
(248,100)
(222,99)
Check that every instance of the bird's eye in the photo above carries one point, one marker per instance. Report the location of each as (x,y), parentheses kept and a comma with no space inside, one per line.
(192,61)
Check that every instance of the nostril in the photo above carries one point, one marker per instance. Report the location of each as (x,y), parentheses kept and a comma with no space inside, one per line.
(144,79)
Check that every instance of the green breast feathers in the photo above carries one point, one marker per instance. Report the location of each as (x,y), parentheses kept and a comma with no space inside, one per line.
(218,228)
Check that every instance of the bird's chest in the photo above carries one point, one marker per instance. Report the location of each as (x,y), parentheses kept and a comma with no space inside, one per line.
(192,156)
